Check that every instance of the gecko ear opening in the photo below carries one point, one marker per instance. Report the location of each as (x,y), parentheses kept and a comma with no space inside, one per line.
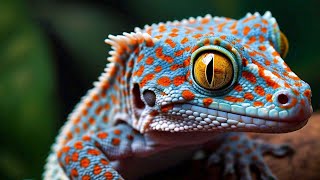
(137,101)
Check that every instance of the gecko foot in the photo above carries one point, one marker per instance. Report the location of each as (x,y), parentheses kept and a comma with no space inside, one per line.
(239,154)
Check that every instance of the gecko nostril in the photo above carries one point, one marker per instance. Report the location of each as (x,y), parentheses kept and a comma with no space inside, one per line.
(283,99)
(149,97)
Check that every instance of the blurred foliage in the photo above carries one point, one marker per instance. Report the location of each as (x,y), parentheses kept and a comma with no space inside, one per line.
(52,51)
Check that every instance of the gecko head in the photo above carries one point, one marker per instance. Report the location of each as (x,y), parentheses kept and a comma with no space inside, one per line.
(218,74)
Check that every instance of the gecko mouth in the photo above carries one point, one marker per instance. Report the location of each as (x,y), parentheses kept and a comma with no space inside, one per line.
(189,117)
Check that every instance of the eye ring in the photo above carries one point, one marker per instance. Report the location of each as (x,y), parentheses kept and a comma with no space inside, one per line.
(214,90)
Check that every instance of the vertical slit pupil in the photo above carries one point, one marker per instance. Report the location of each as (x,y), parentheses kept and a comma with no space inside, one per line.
(209,72)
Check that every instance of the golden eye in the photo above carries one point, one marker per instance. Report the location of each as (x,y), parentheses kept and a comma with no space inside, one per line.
(284,45)
(213,70)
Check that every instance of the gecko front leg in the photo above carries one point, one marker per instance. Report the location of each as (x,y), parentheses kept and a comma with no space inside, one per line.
(89,157)
(239,153)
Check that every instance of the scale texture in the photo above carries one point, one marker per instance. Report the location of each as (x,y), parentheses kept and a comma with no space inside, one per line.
(181,84)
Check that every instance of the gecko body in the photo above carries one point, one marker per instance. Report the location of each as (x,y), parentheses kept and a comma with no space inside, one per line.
(172,87)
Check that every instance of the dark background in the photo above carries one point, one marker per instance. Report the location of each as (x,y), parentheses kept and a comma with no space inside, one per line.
(51,51)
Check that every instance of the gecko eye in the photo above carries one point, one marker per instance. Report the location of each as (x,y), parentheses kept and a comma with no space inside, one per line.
(212,70)
(284,45)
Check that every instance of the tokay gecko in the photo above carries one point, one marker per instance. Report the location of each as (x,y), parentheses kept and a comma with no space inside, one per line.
(172,88)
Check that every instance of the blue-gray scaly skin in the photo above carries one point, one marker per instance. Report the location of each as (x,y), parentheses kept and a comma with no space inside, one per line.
(170,84)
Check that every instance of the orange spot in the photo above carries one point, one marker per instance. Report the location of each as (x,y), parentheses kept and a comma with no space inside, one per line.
(105,119)
(107,106)
(170,43)
(244,62)
(91,120)
(74,173)
(267,62)
(86,138)
(162,56)
(264,30)
(96,169)
(207,101)
(261,39)
(179,53)
(238,88)
(115,141)
(69,135)
(140,58)
(158,69)
(175,30)
(75,157)
(197,36)
(173,34)
(259,90)
(162,28)
(234,25)
(77,130)
(206,42)
(102,135)
(98,110)
(220,26)
(257,103)
(248,19)
(262,48)
(269,97)
(246,30)
(178,80)
(139,71)
(67,159)
(117,132)
(147,78)
(252,39)
(248,96)
(233,99)
(307,93)
(186,62)
(78,145)
(275,53)
(175,67)
(93,152)
(158,36)
(84,112)
(184,40)
(200,28)
(187,95)
(164,81)
(234,32)
(149,60)
(298,84)
(264,21)
(205,21)
(296,92)
(256,25)
(129,137)
(104,162)
(166,108)
(249,76)
(223,37)
(85,126)
(84,162)
(86,177)
(108,175)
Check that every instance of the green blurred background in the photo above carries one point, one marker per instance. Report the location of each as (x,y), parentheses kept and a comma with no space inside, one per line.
(52,50)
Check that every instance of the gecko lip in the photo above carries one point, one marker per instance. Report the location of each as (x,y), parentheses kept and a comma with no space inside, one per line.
(189,117)
(233,113)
